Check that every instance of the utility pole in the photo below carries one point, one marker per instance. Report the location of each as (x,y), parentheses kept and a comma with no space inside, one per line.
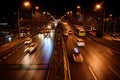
(18,21)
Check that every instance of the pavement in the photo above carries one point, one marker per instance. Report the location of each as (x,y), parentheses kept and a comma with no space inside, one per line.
(15,41)
(11,44)
(107,36)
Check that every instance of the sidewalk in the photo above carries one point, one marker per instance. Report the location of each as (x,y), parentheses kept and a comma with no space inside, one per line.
(10,45)
(107,36)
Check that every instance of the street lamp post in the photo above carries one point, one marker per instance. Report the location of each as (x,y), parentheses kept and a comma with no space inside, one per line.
(26,4)
(18,21)
(98,7)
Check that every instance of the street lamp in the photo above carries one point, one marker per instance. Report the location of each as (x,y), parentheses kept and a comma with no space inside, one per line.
(78,7)
(98,7)
(26,4)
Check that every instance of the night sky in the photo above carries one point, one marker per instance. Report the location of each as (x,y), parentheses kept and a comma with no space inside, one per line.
(59,7)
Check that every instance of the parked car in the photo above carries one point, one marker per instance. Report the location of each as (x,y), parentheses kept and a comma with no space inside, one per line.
(27,41)
(80,42)
(77,56)
(31,48)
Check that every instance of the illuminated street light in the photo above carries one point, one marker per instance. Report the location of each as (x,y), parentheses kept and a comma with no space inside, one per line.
(78,7)
(36,7)
(99,7)
(26,4)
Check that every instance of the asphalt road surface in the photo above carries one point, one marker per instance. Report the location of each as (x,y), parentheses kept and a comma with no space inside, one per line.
(101,62)
(18,65)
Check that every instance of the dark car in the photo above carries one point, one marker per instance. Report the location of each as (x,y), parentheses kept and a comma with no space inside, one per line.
(77,56)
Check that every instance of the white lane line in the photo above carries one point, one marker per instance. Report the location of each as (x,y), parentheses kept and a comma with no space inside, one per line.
(13,51)
(0,60)
(92,73)
(9,54)
(114,71)
(5,57)
(19,47)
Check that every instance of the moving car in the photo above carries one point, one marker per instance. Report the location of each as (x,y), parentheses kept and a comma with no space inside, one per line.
(31,48)
(70,31)
(28,41)
(77,56)
(80,42)
(66,32)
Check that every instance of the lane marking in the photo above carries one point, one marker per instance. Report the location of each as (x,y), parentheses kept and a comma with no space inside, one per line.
(13,51)
(92,73)
(19,47)
(114,71)
(9,54)
(5,57)
(0,60)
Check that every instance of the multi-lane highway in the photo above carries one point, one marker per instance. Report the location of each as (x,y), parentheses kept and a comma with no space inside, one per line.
(19,65)
(101,60)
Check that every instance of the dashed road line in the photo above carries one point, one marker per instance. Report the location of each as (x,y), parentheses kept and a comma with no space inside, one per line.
(0,60)
(5,57)
(92,73)
(16,49)
(114,71)
(9,54)
(13,51)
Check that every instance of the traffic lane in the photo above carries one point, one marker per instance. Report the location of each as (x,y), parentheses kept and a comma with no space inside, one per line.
(29,64)
(13,55)
(101,70)
(109,43)
(99,58)
(69,45)
(78,71)
(111,55)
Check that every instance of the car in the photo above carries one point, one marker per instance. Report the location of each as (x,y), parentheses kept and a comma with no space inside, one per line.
(66,32)
(80,42)
(27,41)
(77,56)
(70,31)
(31,48)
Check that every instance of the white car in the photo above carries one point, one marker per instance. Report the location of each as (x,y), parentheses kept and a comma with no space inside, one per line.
(32,47)
(77,56)
(28,41)
(70,32)
(80,42)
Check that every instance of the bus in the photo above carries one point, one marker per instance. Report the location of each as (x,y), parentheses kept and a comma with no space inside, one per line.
(80,31)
